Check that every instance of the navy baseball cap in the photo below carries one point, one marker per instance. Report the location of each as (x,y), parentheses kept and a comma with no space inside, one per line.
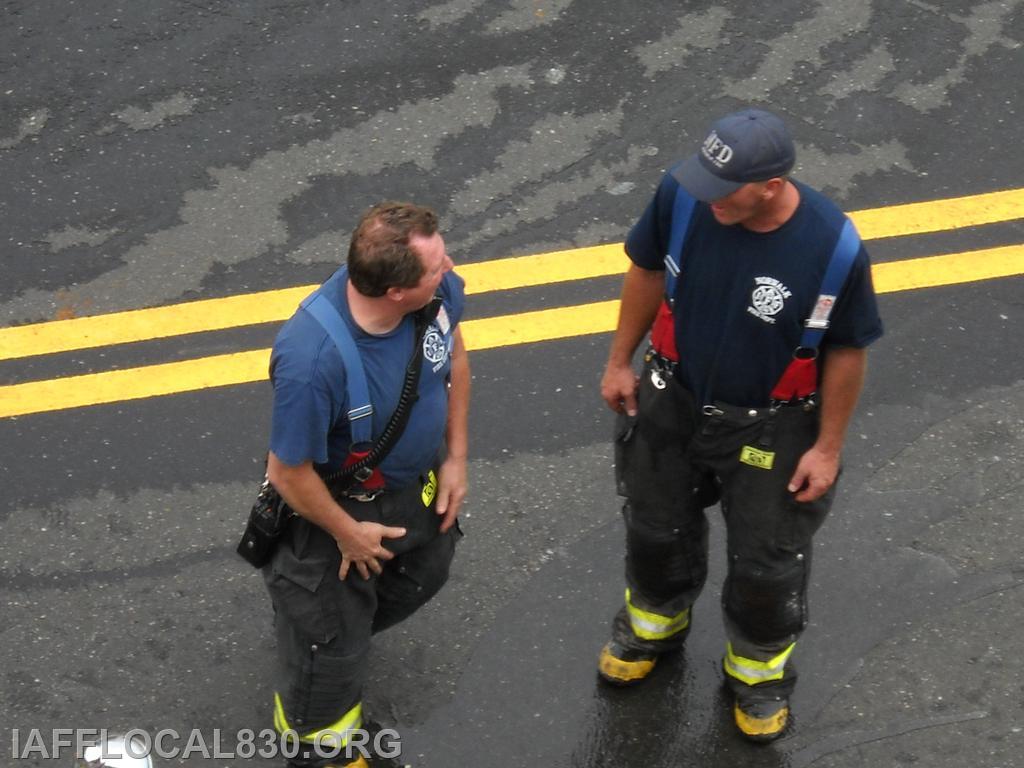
(745,146)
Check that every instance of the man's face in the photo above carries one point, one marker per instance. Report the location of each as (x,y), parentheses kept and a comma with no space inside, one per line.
(744,204)
(435,262)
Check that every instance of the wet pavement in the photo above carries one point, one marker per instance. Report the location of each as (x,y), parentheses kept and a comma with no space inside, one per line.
(160,152)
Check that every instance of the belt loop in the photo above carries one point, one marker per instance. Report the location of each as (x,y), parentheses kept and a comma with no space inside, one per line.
(713,416)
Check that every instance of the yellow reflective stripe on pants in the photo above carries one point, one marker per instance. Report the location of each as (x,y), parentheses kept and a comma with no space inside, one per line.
(333,736)
(652,626)
(753,672)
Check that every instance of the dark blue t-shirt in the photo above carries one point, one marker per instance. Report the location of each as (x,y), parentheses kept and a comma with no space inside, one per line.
(310,417)
(742,297)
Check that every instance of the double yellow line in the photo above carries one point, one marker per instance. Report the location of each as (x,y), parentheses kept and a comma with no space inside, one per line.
(486,333)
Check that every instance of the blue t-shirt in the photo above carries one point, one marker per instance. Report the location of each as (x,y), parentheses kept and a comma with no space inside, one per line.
(310,417)
(742,297)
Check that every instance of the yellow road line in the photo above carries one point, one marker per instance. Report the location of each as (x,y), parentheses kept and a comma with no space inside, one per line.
(501,274)
(134,383)
(144,324)
(278,305)
(940,215)
(542,325)
(948,269)
(485,333)
(251,366)
(544,268)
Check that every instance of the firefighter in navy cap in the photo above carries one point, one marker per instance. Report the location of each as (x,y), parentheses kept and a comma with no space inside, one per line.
(765,308)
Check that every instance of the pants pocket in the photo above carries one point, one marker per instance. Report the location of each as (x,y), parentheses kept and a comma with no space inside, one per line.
(310,610)
(412,578)
(800,520)
(625,434)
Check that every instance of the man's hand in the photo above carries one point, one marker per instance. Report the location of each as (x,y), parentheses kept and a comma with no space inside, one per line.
(618,388)
(814,475)
(642,294)
(362,545)
(452,485)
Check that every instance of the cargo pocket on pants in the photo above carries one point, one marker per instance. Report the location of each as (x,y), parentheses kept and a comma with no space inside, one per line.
(625,438)
(800,520)
(301,599)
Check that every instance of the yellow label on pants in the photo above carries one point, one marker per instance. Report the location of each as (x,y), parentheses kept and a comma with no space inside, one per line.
(756,457)
(430,488)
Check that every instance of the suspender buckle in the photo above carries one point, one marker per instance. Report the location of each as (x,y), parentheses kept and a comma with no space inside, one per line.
(659,362)
(806,353)
(806,403)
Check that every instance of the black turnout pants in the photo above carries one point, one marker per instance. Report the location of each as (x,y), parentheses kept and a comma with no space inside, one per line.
(673,460)
(324,624)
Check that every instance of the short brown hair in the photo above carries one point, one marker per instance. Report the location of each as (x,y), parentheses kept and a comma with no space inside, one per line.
(379,256)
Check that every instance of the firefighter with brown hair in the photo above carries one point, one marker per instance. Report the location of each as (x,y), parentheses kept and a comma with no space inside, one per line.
(358,558)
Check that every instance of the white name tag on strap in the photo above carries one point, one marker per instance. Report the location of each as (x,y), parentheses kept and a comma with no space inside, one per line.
(822,310)
(442,321)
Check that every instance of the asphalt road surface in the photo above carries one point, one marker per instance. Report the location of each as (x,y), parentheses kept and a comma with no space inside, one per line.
(157,153)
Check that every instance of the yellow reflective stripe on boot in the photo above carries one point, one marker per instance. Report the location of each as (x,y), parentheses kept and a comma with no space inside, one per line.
(753,672)
(652,626)
(333,736)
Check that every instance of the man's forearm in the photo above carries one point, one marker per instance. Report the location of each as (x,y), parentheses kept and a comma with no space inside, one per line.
(841,383)
(305,492)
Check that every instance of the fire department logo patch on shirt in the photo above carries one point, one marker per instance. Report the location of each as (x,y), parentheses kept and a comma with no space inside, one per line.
(768,298)
(434,348)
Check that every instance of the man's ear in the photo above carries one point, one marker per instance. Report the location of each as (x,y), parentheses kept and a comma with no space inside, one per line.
(772,187)
(395,293)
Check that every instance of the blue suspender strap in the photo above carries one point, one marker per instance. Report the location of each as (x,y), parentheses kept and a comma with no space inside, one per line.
(355,377)
(838,268)
(682,212)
